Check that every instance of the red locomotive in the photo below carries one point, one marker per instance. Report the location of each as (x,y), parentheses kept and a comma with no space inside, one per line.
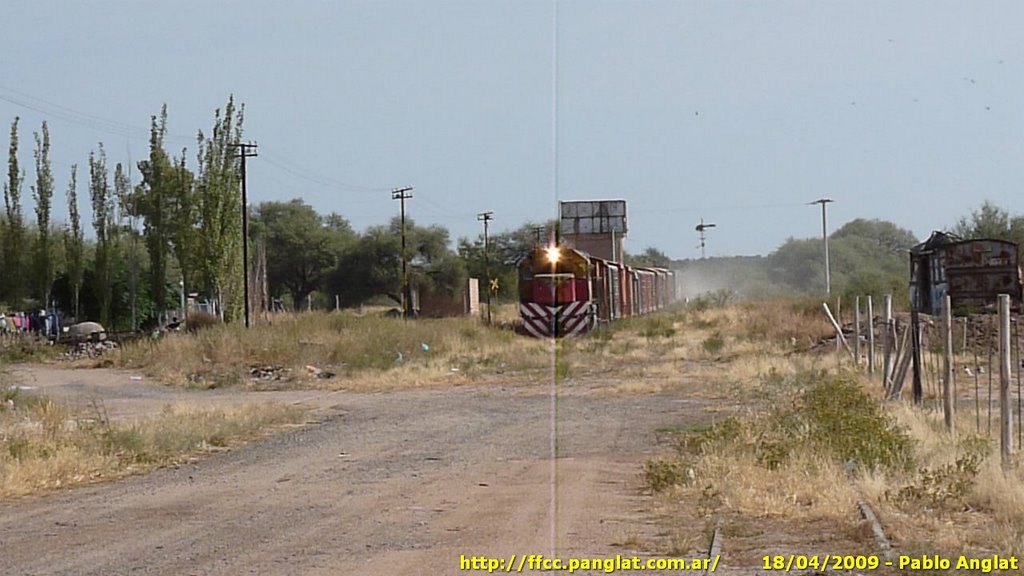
(565,292)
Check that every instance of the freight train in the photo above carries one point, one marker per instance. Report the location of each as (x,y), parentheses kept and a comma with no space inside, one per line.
(567,292)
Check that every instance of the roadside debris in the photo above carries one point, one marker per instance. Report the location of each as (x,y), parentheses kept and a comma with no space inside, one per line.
(321,374)
(269,373)
(89,349)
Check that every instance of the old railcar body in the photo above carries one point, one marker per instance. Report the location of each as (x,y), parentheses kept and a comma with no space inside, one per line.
(972,272)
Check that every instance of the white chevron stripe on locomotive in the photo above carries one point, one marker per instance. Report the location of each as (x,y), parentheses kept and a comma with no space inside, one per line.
(536,318)
(574,318)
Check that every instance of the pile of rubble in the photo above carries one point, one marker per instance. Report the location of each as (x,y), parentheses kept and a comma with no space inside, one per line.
(90,349)
(269,373)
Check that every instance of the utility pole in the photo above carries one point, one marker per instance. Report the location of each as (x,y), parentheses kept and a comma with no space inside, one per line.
(824,236)
(404,194)
(245,150)
(539,231)
(486,217)
(701,228)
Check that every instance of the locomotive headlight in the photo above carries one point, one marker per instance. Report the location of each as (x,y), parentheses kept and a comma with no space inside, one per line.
(553,254)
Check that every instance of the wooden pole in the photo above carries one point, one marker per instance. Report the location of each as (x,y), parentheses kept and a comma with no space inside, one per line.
(839,317)
(915,351)
(1005,423)
(856,331)
(888,343)
(839,330)
(871,338)
(947,380)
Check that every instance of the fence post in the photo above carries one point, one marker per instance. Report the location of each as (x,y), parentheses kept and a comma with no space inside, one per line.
(871,338)
(888,343)
(839,316)
(947,380)
(1005,423)
(856,331)
(840,339)
(915,351)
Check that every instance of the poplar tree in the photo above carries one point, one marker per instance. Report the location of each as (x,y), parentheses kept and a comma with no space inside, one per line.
(103,223)
(14,235)
(153,205)
(74,240)
(218,197)
(183,219)
(42,192)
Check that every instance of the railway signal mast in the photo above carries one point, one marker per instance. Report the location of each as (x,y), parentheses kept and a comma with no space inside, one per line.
(701,228)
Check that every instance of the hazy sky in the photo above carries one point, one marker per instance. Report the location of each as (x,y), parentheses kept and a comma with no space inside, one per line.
(737,112)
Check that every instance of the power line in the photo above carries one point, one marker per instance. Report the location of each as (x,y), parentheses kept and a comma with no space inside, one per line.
(284,163)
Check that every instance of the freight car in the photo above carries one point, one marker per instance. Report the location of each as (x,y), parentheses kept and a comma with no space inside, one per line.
(566,292)
(972,272)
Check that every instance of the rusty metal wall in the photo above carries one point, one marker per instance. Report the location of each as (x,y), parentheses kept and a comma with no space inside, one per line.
(593,217)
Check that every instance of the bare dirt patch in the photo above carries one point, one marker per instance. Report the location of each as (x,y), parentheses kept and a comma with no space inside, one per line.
(398,483)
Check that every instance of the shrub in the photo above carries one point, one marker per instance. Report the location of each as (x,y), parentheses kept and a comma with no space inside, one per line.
(713,344)
(660,475)
(837,418)
(200,320)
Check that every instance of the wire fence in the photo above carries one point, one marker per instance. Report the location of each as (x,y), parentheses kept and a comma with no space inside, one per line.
(972,367)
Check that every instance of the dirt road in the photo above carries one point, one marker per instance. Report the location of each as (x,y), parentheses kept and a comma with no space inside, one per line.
(390,483)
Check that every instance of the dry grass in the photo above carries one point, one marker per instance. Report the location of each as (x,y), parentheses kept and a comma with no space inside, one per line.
(364,352)
(761,474)
(950,496)
(45,445)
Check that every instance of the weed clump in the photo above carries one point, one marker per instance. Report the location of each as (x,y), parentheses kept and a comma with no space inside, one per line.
(713,344)
(827,419)
(658,327)
(838,420)
(660,475)
(947,487)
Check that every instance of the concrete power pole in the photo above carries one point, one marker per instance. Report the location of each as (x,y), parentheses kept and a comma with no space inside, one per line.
(486,217)
(403,194)
(245,150)
(824,236)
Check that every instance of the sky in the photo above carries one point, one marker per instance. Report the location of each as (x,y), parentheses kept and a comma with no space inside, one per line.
(740,113)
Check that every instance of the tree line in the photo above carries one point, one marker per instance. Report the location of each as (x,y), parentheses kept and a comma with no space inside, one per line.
(177,222)
(179,228)
(321,256)
(866,257)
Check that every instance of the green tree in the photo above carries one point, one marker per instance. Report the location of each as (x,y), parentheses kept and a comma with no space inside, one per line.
(505,250)
(104,223)
(373,266)
(219,210)
(990,221)
(74,242)
(866,257)
(302,247)
(42,192)
(799,264)
(885,235)
(152,201)
(184,220)
(650,257)
(14,233)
